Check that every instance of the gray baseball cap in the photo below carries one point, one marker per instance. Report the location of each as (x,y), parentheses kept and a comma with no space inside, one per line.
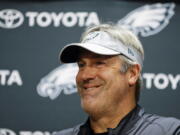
(102,43)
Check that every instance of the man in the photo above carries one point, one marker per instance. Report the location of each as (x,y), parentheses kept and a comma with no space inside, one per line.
(110,61)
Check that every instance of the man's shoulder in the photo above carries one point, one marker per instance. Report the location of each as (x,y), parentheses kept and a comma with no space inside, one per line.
(160,124)
(161,120)
(69,131)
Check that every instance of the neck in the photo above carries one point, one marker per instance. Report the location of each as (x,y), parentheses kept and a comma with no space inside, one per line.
(111,119)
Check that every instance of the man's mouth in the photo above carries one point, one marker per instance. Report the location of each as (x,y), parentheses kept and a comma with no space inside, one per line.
(90,87)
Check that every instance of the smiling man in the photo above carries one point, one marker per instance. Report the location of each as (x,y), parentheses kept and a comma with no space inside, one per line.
(110,61)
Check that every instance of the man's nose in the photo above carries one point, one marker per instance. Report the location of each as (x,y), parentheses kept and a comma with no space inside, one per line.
(88,73)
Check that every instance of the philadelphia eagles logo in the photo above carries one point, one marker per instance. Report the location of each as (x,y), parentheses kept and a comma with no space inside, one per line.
(60,80)
(149,19)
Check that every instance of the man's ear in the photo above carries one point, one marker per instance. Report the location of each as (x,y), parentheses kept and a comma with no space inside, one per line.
(133,74)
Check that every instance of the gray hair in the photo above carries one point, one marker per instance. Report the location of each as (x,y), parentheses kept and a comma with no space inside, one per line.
(128,39)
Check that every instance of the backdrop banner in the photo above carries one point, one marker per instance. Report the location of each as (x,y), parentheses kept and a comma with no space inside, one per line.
(38,94)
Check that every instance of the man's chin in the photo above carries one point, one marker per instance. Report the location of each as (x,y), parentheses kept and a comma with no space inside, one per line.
(92,108)
(88,106)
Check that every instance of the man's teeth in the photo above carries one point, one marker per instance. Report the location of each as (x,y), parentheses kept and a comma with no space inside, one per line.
(90,88)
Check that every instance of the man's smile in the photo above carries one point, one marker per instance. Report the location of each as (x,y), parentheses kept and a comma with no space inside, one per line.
(90,86)
(90,89)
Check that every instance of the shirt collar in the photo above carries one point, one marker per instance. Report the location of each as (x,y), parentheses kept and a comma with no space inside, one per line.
(124,125)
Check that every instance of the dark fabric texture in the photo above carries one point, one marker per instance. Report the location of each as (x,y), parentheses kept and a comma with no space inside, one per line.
(137,122)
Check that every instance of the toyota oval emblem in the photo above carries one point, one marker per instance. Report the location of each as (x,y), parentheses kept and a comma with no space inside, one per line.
(10,18)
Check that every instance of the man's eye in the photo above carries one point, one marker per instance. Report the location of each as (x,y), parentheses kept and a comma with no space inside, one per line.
(80,65)
(99,63)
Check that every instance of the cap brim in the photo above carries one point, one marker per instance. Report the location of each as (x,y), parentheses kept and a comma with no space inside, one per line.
(69,53)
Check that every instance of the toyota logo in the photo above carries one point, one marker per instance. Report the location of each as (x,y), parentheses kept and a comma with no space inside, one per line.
(10,18)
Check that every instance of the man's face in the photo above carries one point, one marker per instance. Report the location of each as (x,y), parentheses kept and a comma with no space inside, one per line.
(100,83)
